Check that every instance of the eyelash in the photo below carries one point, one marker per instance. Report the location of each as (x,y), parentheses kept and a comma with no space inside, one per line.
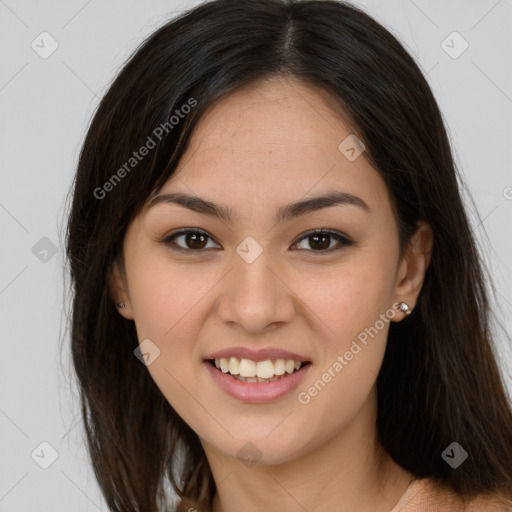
(343,240)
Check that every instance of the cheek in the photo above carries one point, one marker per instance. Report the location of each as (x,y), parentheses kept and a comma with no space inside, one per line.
(348,299)
(165,296)
(168,311)
(353,310)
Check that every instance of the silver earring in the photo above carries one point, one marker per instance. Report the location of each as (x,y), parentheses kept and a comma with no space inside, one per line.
(402,306)
(120,305)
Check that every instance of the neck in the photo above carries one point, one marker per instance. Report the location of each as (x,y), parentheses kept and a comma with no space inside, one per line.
(350,472)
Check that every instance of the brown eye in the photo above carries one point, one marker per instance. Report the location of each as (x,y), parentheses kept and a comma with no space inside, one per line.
(190,240)
(195,240)
(320,241)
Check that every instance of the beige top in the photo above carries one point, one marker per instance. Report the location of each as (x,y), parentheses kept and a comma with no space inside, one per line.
(424,495)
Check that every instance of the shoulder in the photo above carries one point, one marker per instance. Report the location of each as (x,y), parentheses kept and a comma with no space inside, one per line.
(426,495)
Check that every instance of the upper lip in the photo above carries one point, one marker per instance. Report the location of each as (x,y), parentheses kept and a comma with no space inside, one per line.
(261,354)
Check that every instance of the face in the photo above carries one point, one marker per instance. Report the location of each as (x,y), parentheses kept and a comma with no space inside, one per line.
(257,284)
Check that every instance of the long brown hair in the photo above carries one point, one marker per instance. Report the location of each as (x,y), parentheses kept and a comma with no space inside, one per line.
(439,381)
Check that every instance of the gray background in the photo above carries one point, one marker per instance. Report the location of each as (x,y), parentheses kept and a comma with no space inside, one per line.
(46,105)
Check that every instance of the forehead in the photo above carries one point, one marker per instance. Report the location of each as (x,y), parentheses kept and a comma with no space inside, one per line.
(274,141)
(271,113)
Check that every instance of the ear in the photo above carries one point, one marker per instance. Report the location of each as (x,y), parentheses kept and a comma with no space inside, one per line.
(119,291)
(413,266)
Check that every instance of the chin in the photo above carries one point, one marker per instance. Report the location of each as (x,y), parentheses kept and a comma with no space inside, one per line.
(262,444)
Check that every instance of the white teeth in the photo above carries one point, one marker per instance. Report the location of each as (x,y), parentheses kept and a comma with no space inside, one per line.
(247,368)
(265,369)
(252,371)
(249,379)
(234,366)
(280,367)
(224,364)
(290,366)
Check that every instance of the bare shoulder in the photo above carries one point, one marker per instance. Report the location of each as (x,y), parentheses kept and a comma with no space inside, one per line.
(427,495)
(491,503)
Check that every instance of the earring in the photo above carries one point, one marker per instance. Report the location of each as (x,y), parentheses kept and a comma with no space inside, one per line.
(120,305)
(402,306)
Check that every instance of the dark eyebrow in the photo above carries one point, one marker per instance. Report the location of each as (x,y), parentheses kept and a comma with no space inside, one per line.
(284,213)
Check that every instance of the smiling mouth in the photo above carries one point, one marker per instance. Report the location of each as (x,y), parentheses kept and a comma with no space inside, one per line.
(246,370)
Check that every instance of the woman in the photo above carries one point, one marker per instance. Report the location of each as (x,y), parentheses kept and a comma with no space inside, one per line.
(278,302)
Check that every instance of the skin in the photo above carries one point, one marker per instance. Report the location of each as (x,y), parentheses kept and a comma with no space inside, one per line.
(269,144)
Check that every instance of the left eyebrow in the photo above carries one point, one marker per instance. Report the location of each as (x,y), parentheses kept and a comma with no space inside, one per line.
(285,213)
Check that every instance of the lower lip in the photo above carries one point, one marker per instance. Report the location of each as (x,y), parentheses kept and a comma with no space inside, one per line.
(257,392)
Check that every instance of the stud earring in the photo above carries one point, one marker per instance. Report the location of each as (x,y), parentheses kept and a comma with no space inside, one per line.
(120,305)
(402,306)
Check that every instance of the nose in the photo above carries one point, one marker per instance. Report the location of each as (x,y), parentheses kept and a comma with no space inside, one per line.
(255,296)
